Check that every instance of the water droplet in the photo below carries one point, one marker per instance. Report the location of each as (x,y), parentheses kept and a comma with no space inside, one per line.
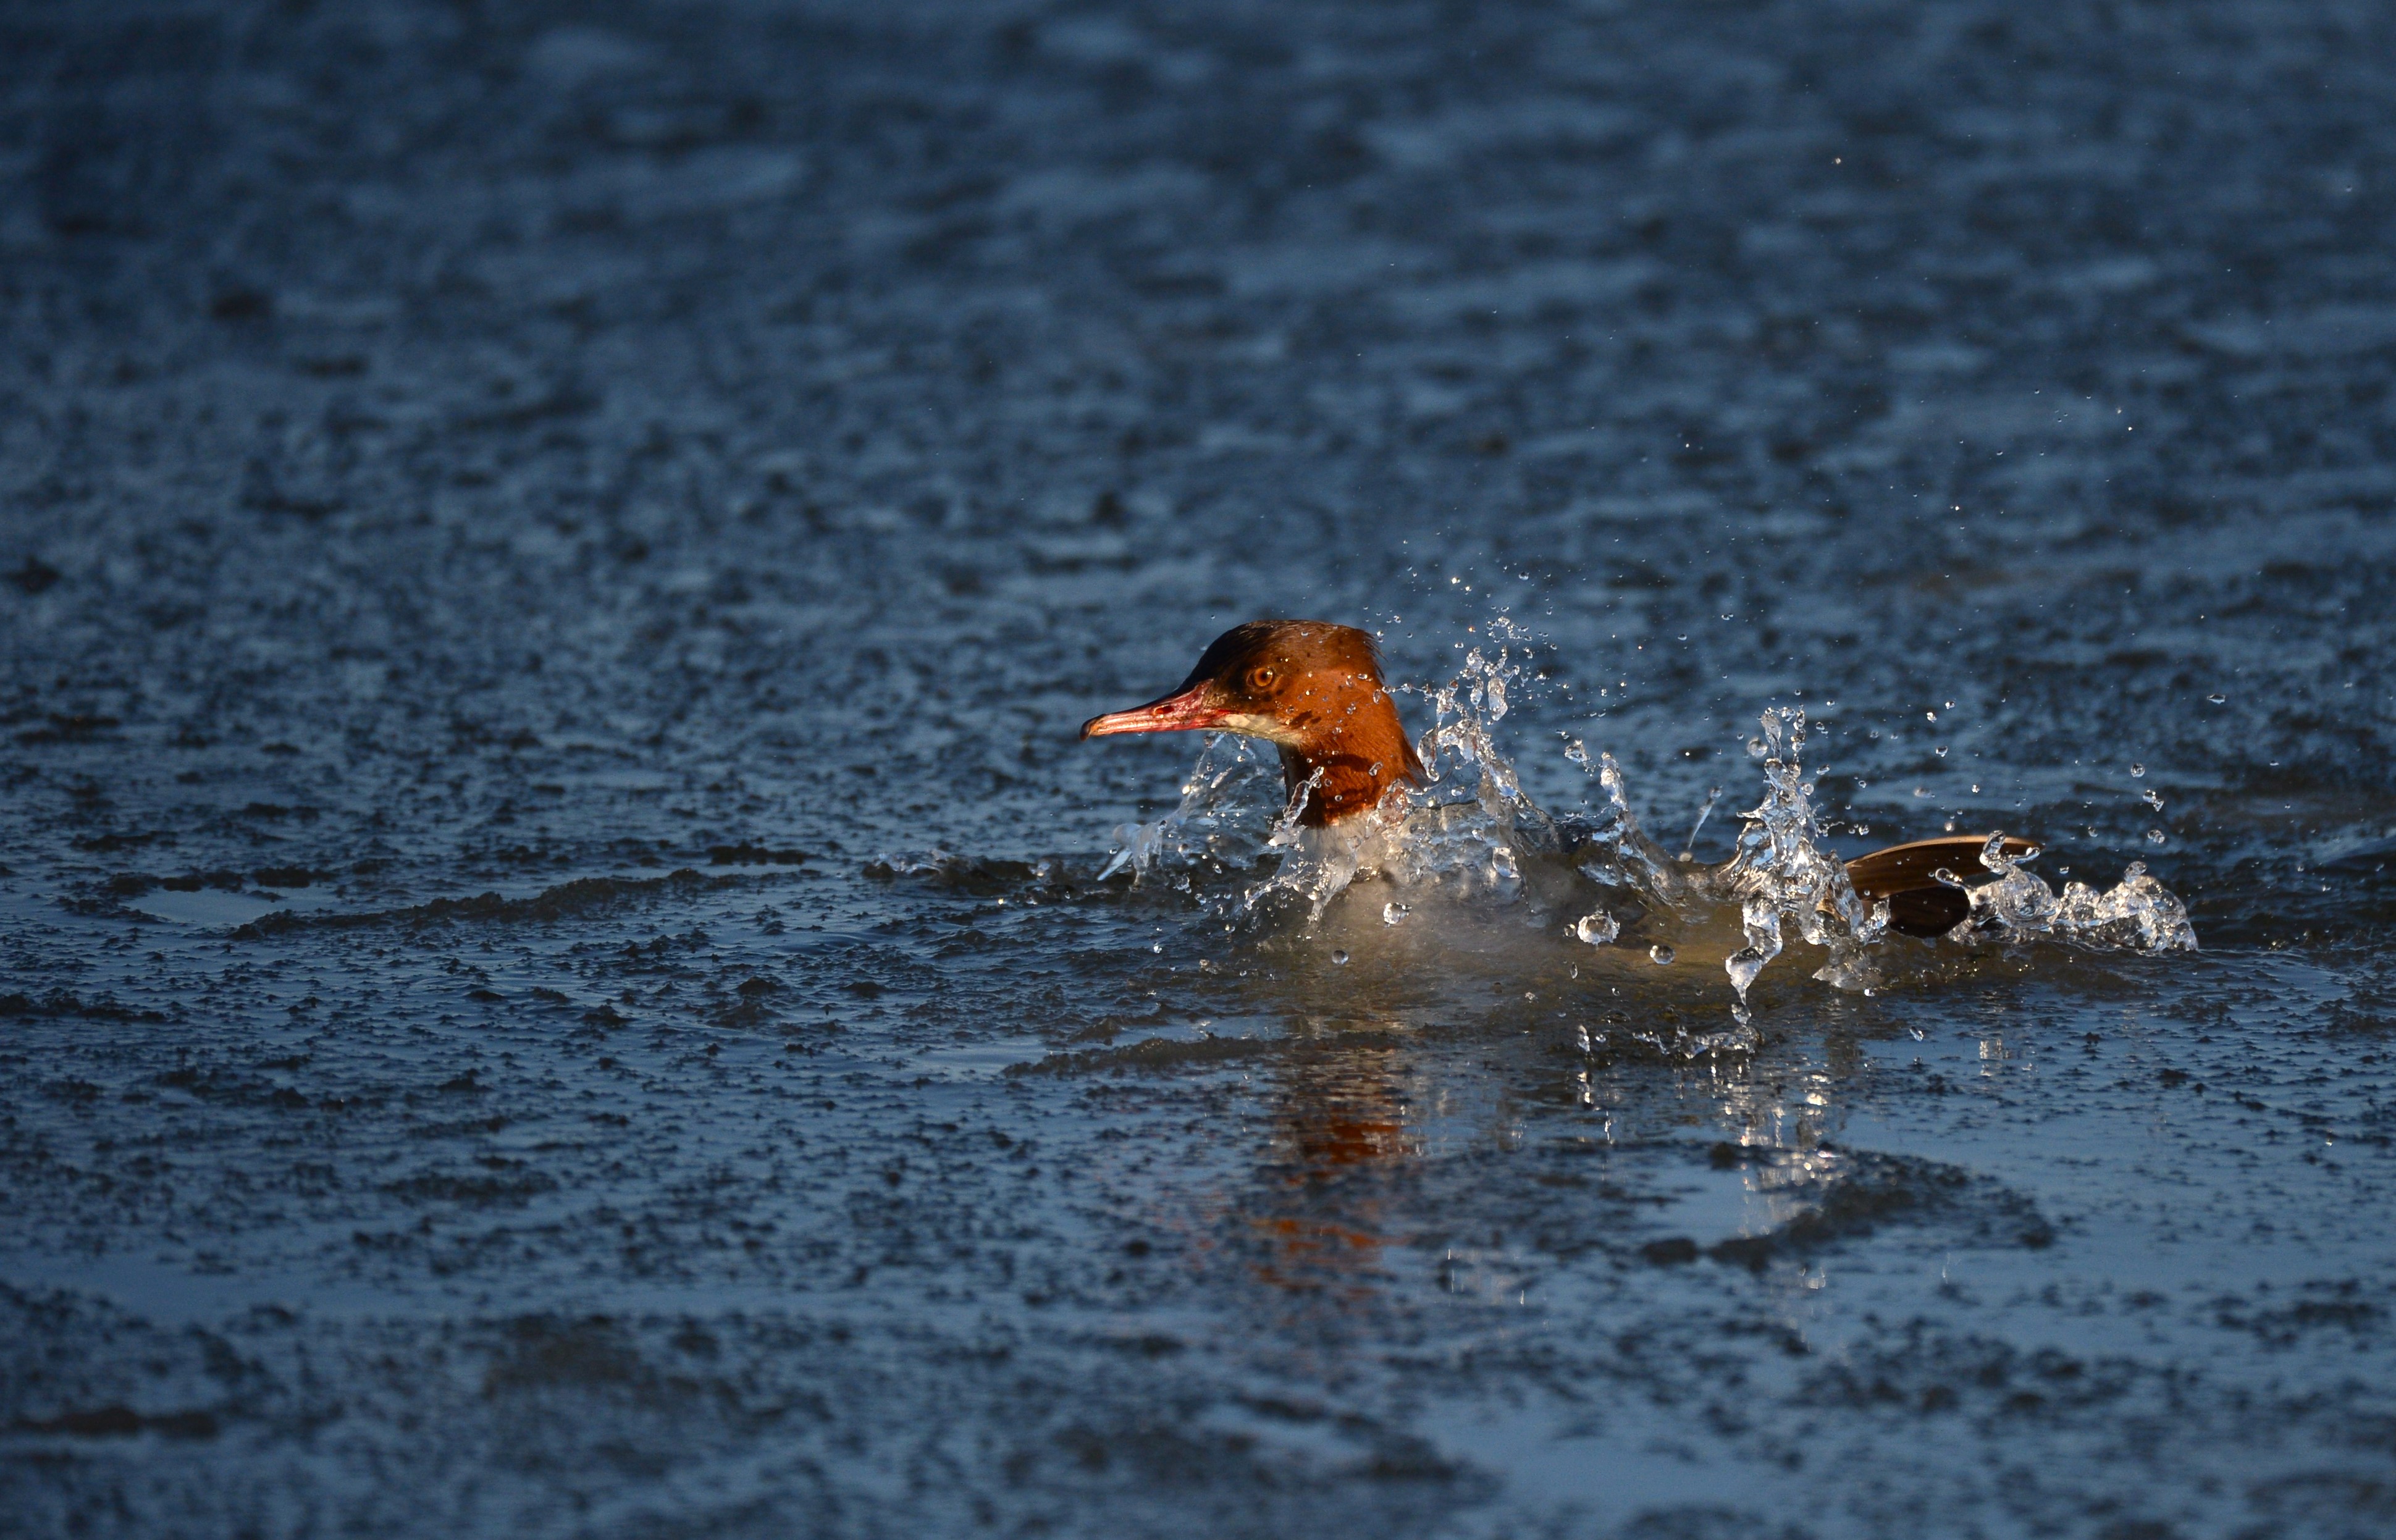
(1157,947)
(1597,928)
(1940,750)
(1863,828)
(2156,836)
(2217,700)
(1660,954)
(1929,716)
(1339,958)
(2136,770)
(1577,752)
(1393,912)
(2152,799)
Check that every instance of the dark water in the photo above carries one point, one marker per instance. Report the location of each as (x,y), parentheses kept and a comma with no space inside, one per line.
(556,975)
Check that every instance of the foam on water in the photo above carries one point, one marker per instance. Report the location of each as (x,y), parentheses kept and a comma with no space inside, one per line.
(1470,834)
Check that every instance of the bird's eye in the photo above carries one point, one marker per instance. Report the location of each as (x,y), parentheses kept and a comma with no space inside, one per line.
(1261,680)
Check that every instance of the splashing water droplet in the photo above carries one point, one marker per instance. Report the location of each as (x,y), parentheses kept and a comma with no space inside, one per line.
(1688,851)
(2217,700)
(2152,799)
(1393,912)
(1597,929)
(2136,770)
(2156,836)
(1940,750)
(1576,751)
(1660,954)
(1339,958)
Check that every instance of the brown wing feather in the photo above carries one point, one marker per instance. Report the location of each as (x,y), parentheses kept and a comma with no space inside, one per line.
(1918,903)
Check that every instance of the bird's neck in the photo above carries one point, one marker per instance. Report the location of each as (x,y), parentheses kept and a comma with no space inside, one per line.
(1344,771)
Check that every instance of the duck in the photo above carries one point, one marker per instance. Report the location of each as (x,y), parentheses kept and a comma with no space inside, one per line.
(1316,690)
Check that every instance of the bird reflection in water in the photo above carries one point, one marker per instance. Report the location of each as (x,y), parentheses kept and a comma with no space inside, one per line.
(1341,1216)
(1336,1110)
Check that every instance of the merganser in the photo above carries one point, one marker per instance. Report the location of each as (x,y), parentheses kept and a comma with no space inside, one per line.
(1314,690)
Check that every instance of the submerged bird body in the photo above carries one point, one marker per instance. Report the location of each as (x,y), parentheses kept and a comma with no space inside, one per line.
(1314,689)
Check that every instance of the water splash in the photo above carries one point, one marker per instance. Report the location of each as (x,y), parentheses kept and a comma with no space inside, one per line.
(1609,848)
(1224,818)
(1317,865)
(2138,914)
(1780,874)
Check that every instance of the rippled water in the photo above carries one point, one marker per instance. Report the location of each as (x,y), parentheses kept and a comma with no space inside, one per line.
(565,971)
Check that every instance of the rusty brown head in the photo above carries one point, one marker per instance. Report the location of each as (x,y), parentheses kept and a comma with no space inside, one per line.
(1313,689)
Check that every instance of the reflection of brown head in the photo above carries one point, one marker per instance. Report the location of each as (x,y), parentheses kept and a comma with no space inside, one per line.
(1312,688)
(1341,1133)
(1333,1115)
